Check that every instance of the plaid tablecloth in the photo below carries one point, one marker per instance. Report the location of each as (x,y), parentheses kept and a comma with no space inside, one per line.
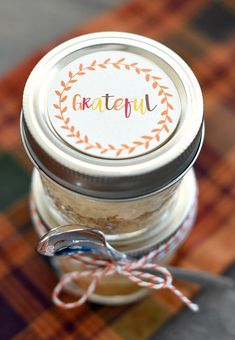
(201,32)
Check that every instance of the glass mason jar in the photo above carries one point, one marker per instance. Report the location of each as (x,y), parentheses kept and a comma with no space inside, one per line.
(117,289)
(113,122)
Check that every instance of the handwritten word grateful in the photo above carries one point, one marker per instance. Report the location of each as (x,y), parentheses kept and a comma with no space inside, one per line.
(110,102)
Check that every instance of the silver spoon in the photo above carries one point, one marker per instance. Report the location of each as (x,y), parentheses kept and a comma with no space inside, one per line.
(71,240)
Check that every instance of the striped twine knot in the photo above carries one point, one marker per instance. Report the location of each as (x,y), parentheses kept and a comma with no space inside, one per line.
(139,271)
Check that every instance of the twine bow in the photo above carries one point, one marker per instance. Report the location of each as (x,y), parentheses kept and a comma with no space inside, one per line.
(136,271)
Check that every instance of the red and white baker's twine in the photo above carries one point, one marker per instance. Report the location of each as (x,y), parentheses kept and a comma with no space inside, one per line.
(135,270)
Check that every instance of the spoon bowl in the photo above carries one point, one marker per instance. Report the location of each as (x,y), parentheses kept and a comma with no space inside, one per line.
(72,239)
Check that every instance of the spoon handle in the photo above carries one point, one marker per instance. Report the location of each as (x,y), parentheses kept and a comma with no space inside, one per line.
(200,277)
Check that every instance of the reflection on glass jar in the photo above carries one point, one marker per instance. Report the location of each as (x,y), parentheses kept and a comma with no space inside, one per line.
(113,217)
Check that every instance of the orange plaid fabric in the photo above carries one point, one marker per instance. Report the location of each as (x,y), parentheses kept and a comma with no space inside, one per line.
(202,32)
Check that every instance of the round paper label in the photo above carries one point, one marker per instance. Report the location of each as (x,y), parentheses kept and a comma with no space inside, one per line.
(113,104)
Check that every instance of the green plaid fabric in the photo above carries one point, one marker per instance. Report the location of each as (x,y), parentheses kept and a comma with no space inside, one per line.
(202,32)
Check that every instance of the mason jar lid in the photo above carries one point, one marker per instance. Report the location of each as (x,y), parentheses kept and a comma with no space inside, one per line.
(112,115)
